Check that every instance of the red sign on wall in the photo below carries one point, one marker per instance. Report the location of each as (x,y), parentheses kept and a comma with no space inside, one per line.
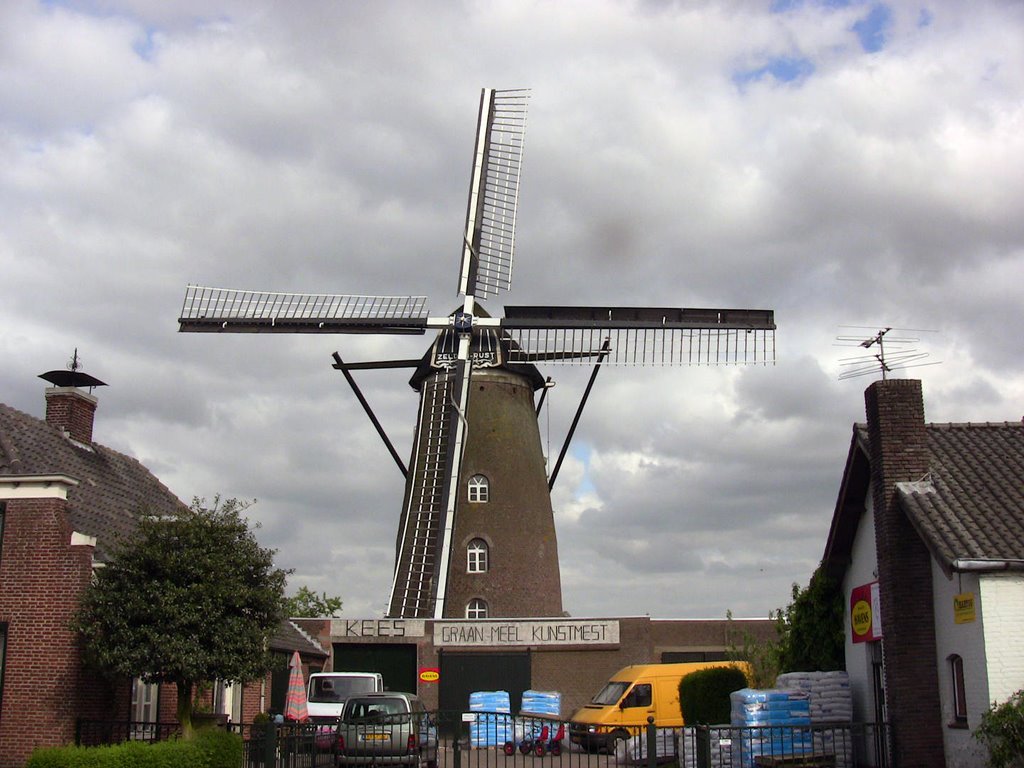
(865,613)
(429,674)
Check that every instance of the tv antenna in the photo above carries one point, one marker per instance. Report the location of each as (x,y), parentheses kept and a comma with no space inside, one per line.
(885,353)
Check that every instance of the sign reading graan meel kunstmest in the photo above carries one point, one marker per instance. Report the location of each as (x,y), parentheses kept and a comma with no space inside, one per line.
(526,632)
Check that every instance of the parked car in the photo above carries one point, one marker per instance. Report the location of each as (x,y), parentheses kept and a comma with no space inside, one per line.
(386,728)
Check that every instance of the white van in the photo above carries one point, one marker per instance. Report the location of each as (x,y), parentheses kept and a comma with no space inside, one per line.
(328,691)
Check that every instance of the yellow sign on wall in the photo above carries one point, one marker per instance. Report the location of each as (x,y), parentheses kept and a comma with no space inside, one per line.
(865,613)
(963,608)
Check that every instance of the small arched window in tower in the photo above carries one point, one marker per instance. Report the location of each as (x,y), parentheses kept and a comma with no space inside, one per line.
(476,609)
(476,556)
(479,489)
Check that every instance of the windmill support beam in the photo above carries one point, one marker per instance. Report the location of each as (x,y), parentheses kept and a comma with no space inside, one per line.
(344,368)
(579,413)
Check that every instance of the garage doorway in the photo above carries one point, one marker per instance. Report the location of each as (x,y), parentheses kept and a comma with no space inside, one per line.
(396,662)
(464,673)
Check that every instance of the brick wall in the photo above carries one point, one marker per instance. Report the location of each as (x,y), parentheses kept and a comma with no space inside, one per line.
(41,579)
(72,410)
(899,452)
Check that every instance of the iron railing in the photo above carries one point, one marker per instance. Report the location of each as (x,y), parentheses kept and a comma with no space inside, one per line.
(500,740)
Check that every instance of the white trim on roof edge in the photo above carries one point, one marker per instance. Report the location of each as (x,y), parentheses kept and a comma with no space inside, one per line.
(13,487)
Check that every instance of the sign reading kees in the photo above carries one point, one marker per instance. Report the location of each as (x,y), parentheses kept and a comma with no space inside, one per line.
(551,632)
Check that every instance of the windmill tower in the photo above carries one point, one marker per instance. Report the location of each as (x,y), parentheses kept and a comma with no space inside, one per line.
(476,536)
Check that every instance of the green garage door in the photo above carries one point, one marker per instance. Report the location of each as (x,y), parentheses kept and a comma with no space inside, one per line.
(463,673)
(396,662)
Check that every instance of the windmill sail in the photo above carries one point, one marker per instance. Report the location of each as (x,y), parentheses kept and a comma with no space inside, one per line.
(640,335)
(215,310)
(493,194)
(413,587)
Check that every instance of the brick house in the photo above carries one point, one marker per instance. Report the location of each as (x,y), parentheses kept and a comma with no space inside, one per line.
(927,538)
(63,500)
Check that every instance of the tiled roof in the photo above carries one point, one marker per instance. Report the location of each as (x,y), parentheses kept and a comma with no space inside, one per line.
(289,637)
(970,506)
(113,489)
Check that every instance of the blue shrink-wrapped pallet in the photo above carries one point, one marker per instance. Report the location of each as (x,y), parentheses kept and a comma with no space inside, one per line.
(542,703)
(773,722)
(493,724)
(547,704)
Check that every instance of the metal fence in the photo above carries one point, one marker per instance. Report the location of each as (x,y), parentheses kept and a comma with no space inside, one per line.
(94,733)
(498,740)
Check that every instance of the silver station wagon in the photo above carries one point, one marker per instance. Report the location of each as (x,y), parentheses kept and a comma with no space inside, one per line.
(386,728)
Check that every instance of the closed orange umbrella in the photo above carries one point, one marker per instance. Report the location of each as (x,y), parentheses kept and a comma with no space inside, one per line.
(295,699)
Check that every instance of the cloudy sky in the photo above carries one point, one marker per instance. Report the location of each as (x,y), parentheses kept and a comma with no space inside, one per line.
(843,163)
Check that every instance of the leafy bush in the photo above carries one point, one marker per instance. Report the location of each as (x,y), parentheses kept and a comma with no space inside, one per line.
(1002,731)
(211,748)
(704,694)
(219,748)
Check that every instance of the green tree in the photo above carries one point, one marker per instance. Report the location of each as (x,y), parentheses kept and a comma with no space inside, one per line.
(1002,731)
(187,599)
(309,604)
(762,655)
(813,627)
(808,634)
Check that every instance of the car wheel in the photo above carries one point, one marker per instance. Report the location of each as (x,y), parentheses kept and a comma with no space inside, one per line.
(617,738)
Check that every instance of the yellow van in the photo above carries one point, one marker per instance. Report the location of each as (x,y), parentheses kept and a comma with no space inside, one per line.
(629,697)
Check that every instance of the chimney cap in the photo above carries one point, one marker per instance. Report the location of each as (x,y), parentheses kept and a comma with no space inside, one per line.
(73,376)
(71,379)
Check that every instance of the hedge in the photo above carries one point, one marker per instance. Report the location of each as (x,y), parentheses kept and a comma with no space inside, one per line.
(704,695)
(211,748)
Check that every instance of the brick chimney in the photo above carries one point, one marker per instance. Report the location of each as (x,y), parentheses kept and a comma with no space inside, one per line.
(71,410)
(898,446)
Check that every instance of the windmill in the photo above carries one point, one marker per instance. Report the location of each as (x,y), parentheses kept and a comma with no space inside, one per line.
(476,535)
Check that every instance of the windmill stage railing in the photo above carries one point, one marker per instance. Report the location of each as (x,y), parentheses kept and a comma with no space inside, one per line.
(216,309)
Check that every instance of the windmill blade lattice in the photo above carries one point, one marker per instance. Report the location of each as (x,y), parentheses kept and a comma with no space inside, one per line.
(640,335)
(489,239)
(215,310)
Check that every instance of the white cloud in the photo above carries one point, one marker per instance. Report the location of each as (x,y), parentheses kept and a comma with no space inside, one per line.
(147,145)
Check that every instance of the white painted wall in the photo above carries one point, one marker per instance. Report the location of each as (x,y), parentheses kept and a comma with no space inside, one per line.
(1002,599)
(863,569)
(968,642)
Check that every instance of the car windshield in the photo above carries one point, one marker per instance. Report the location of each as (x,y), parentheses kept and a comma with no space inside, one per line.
(610,694)
(359,709)
(325,689)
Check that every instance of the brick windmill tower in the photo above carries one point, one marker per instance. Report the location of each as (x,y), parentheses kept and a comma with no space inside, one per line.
(476,536)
